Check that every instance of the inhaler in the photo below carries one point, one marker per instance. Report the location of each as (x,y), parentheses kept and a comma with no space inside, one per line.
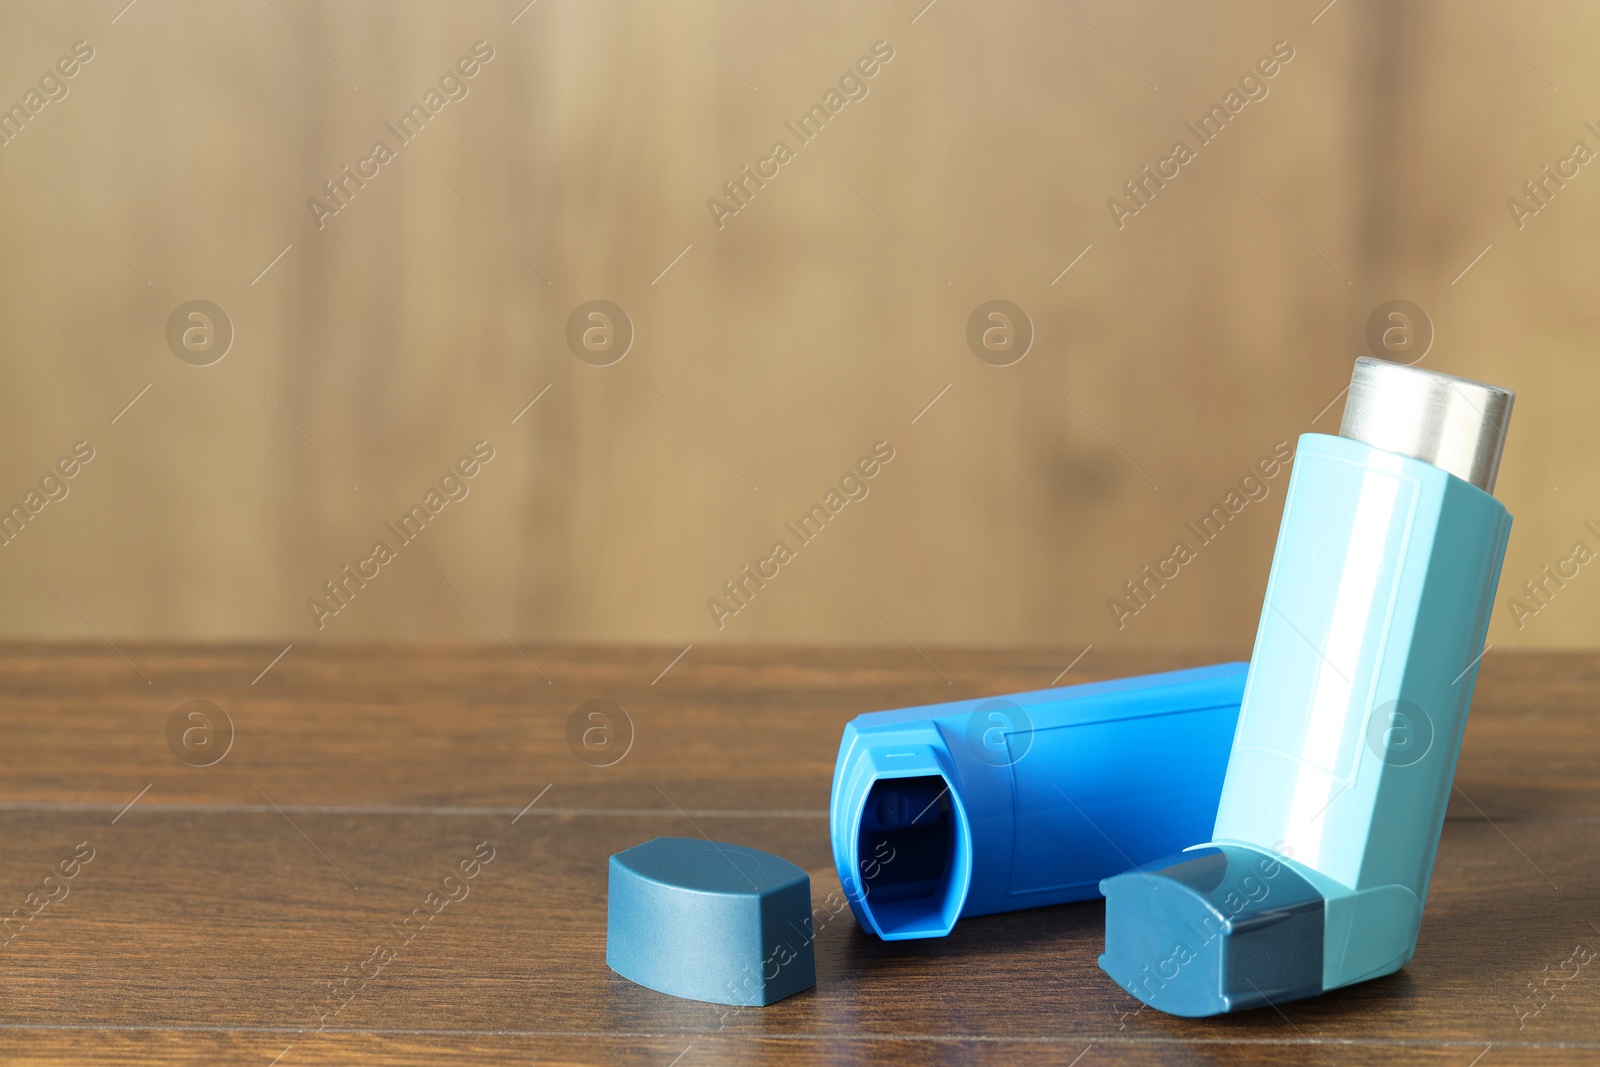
(1375,614)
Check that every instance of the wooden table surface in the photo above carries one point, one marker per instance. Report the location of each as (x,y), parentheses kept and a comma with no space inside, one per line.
(211,910)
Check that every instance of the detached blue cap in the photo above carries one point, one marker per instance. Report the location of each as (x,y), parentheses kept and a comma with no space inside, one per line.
(710,921)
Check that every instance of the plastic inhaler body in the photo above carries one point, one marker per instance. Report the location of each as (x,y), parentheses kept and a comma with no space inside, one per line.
(1376,612)
(983,806)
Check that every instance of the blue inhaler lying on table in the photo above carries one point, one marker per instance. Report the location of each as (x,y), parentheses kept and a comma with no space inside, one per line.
(1374,621)
(983,806)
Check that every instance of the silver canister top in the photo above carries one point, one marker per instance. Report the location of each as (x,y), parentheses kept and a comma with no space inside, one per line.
(1456,424)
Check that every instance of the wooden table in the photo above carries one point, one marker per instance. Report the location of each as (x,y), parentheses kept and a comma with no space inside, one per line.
(221,903)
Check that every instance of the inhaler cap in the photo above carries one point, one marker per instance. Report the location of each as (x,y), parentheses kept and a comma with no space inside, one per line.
(1456,424)
(710,921)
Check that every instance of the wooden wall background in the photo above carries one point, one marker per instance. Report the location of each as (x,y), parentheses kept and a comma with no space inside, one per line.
(823,318)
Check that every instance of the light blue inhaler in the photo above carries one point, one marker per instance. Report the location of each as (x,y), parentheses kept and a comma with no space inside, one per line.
(982,806)
(1374,621)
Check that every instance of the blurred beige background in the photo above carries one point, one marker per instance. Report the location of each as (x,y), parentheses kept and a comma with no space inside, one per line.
(772,353)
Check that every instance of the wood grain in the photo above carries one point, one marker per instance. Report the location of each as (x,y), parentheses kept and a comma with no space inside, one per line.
(1219,321)
(211,919)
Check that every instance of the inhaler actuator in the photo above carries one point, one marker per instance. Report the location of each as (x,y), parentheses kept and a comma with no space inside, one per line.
(1374,620)
(982,806)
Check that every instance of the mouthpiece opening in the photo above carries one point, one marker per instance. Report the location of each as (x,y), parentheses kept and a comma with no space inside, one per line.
(912,858)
